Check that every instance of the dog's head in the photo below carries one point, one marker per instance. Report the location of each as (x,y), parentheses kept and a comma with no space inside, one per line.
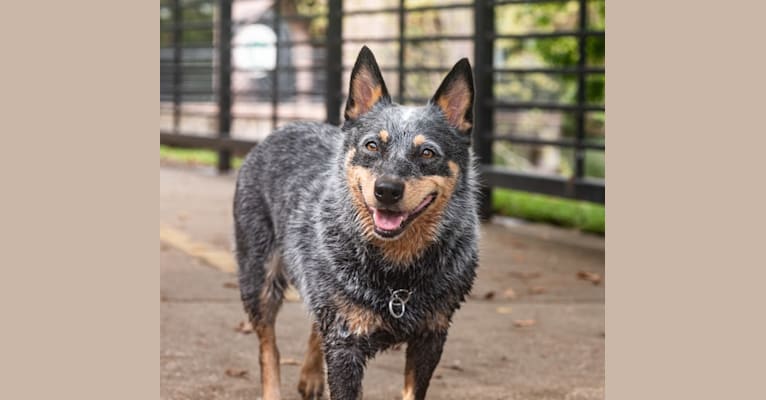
(403,163)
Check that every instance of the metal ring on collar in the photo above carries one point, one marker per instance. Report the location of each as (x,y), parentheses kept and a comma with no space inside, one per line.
(399,303)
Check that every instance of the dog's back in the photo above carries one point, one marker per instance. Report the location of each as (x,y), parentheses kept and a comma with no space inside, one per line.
(279,172)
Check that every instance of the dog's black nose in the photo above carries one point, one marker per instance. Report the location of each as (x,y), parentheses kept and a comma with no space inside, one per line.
(388,191)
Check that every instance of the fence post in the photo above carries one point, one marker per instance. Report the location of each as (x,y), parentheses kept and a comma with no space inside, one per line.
(334,61)
(177,72)
(276,26)
(402,44)
(579,151)
(483,124)
(224,81)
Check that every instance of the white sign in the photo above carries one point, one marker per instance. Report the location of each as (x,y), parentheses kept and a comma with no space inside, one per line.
(255,49)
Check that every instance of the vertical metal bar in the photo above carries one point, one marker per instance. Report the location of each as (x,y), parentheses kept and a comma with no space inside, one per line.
(484,115)
(334,61)
(224,80)
(579,152)
(177,72)
(402,43)
(275,24)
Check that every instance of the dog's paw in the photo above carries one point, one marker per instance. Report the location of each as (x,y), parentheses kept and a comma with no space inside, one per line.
(311,385)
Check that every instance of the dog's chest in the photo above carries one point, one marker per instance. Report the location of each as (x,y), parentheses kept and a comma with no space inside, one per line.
(397,316)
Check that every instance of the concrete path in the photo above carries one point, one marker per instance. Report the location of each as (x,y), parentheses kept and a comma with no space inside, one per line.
(542,339)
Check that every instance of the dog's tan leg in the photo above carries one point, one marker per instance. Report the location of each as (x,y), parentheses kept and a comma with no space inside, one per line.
(311,384)
(269,360)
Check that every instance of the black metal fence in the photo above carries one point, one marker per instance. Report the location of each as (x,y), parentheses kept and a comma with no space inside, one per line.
(196,70)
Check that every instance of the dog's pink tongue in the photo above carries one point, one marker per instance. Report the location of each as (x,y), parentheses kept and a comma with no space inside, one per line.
(388,221)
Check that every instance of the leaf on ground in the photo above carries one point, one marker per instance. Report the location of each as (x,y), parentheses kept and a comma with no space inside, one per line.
(592,277)
(525,275)
(231,285)
(537,290)
(503,310)
(517,244)
(236,373)
(455,366)
(509,294)
(244,327)
(489,295)
(289,361)
(523,323)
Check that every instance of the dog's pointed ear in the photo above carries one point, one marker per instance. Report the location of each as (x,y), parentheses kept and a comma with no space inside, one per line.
(367,87)
(455,97)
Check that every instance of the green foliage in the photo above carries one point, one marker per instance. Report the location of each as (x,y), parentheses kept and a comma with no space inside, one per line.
(595,165)
(554,52)
(194,156)
(423,53)
(317,26)
(561,52)
(198,12)
(585,216)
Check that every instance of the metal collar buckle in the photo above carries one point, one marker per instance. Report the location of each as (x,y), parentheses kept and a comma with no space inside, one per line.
(396,306)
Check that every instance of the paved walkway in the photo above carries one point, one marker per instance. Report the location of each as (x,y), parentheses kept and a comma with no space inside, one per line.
(533,329)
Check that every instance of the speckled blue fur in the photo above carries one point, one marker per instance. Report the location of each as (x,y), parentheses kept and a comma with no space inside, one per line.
(295,222)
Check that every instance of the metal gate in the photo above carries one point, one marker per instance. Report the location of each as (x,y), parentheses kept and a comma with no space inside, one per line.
(202,76)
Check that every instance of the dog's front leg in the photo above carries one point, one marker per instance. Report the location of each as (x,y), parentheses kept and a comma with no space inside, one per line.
(345,369)
(423,355)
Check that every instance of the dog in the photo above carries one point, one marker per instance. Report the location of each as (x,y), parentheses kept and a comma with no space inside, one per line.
(374,222)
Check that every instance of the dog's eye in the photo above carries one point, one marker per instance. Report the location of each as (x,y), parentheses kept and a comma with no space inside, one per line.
(427,153)
(371,146)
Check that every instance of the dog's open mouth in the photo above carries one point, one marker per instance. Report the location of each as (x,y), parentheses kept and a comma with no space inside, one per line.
(389,224)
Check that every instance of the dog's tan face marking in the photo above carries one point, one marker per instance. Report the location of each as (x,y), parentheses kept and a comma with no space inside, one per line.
(384,136)
(361,181)
(421,231)
(418,140)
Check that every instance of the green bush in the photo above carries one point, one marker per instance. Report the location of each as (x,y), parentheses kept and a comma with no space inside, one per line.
(194,156)
(588,217)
